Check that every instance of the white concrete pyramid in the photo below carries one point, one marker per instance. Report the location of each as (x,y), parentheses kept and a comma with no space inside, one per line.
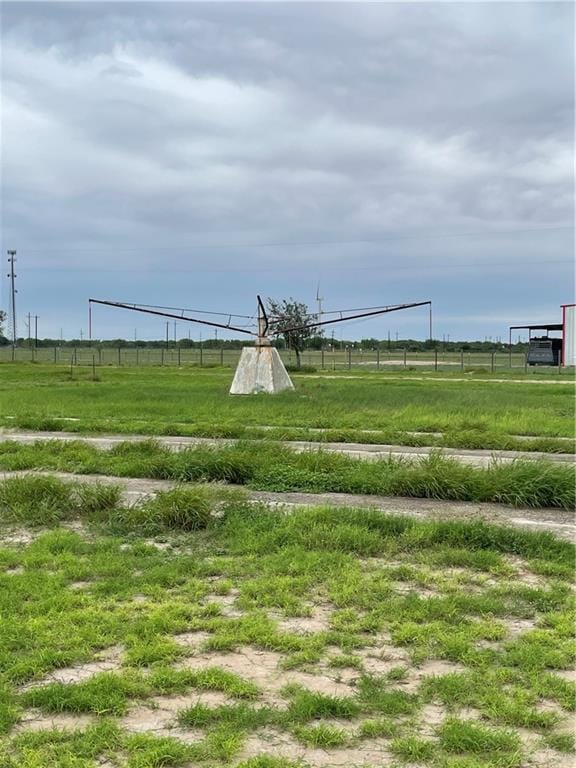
(260,370)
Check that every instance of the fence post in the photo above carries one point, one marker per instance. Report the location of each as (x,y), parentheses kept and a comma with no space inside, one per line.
(119,361)
(525,362)
(404,357)
(55,355)
(222,356)
(75,356)
(349,358)
(378,359)
(162,356)
(201,356)
(322,358)
(178,357)
(492,363)
(137,356)
(436,359)
(461,359)
(93,367)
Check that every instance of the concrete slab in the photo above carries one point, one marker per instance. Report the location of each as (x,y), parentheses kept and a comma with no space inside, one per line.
(260,370)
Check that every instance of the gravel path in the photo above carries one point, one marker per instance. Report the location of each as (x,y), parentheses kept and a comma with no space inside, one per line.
(366,451)
(560,522)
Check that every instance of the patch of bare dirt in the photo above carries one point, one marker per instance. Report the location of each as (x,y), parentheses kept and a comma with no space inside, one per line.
(439,667)
(159,715)
(226,603)
(14,571)
(431,717)
(34,720)
(379,563)
(271,742)
(517,626)
(264,670)
(523,573)
(566,674)
(19,536)
(107,660)
(410,588)
(547,705)
(192,639)
(382,664)
(546,758)
(79,585)
(382,656)
(318,621)
(138,598)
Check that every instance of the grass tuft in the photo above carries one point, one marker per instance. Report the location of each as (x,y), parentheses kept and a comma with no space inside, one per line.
(465,736)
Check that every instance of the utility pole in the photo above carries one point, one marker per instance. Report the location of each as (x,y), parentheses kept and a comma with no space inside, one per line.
(174,331)
(167,332)
(13,292)
(29,329)
(36,331)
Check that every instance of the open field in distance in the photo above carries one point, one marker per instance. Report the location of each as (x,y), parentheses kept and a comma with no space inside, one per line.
(378,407)
(329,360)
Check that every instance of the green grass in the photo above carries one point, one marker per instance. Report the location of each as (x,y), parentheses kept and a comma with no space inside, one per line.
(69,597)
(274,467)
(44,500)
(361,407)
(413,750)
(321,736)
(465,736)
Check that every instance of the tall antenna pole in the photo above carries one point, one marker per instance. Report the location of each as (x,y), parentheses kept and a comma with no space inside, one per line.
(12,276)
(319,300)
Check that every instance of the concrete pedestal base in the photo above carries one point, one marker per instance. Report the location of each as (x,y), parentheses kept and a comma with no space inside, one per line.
(260,370)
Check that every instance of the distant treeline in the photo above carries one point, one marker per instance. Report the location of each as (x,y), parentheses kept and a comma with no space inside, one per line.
(317,342)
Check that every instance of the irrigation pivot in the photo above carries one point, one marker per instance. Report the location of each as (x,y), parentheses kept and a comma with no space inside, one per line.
(260,368)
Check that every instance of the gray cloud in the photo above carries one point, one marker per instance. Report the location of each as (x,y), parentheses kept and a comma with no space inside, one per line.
(132,131)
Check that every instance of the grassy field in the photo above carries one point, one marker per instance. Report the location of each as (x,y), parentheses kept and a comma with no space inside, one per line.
(412,409)
(271,466)
(196,629)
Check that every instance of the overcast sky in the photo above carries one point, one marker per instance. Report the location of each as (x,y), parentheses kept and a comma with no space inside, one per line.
(194,154)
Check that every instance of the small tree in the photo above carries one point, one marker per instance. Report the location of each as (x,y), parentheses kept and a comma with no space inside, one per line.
(288,314)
